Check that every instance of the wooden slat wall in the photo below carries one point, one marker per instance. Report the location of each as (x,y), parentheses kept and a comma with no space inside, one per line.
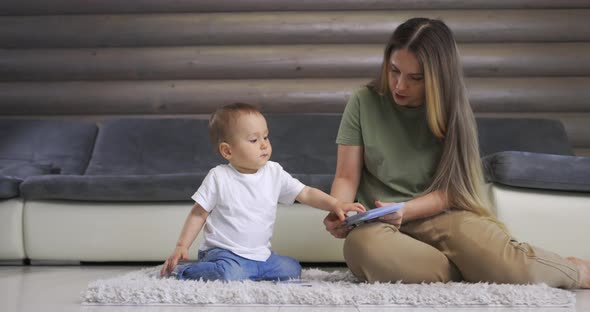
(506,95)
(277,61)
(102,59)
(36,7)
(342,27)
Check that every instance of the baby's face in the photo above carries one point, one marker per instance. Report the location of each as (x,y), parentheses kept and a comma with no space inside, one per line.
(249,143)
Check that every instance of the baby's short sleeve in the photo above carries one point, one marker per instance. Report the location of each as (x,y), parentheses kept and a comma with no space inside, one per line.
(290,188)
(207,194)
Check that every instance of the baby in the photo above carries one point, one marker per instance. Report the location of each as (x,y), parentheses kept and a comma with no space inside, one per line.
(237,204)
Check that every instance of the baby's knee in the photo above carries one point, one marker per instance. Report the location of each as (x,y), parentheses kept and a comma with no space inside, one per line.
(204,271)
(211,271)
(289,268)
(230,273)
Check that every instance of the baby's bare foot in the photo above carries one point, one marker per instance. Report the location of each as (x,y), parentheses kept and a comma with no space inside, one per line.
(584,268)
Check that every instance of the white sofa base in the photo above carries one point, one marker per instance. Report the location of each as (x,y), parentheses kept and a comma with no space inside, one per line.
(11,230)
(554,221)
(101,231)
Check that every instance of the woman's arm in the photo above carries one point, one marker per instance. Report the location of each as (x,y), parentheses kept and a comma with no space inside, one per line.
(425,206)
(420,207)
(349,164)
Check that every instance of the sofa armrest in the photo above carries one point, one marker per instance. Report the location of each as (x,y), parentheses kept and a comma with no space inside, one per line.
(12,176)
(539,171)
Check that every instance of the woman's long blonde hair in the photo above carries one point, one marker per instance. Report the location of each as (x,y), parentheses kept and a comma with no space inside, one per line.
(459,172)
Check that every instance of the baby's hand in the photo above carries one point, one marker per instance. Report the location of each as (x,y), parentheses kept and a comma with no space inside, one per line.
(180,253)
(342,208)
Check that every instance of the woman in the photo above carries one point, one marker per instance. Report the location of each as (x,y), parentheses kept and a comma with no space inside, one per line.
(410,135)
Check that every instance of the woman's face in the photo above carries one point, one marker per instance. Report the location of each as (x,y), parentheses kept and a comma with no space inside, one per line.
(406,79)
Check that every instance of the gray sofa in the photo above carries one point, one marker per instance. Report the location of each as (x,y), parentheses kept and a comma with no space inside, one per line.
(30,148)
(74,191)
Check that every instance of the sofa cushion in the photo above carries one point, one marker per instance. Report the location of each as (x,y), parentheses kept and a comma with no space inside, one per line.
(131,146)
(137,160)
(65,144)
(9,187)
(24,170)
(305,145)
(539,171)
(523,134)
(167,159)
(147,188)
(12,176)
(33,147)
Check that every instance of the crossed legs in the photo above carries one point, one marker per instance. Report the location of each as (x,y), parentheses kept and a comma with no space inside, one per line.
(455,245)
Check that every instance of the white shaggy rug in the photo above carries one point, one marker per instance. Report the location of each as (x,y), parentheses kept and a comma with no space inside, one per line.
(145,287)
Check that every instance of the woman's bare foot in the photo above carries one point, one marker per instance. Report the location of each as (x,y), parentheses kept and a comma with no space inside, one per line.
(584,267)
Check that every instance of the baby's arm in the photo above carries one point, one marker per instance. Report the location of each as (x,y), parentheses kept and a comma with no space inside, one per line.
(192,226)
(318,199)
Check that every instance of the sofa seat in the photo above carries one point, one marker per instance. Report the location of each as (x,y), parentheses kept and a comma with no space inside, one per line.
(113,188)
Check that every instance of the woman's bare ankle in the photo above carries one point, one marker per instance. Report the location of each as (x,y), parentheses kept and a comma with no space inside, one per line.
(584,268)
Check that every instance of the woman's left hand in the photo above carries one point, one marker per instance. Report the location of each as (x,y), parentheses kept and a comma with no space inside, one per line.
(395,218)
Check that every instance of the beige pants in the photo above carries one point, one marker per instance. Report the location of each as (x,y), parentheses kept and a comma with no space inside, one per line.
(452,246)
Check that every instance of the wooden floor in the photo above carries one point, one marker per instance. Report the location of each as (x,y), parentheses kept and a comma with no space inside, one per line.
(58,288)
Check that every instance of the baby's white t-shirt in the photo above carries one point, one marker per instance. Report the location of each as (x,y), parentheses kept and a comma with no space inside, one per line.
(242,207)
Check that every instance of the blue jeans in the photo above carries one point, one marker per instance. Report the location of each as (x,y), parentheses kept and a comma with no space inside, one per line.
(224,265)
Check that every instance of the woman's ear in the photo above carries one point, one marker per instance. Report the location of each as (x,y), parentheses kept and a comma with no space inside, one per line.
(225,150)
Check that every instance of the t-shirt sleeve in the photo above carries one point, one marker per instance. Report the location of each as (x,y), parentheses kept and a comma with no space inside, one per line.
(290,188)
(350,132)
(206,195)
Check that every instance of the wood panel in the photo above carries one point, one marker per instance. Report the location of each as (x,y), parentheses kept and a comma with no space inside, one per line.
(174,96)
(147,58)
(60,31)
(511,95)
(261,62)
(40,7)
(529,94)
(528,59)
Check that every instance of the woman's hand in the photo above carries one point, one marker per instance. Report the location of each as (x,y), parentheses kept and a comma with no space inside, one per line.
(395,218)
(335,226)
(180,253)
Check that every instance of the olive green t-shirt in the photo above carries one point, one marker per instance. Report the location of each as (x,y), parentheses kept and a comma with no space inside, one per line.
(400,151)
